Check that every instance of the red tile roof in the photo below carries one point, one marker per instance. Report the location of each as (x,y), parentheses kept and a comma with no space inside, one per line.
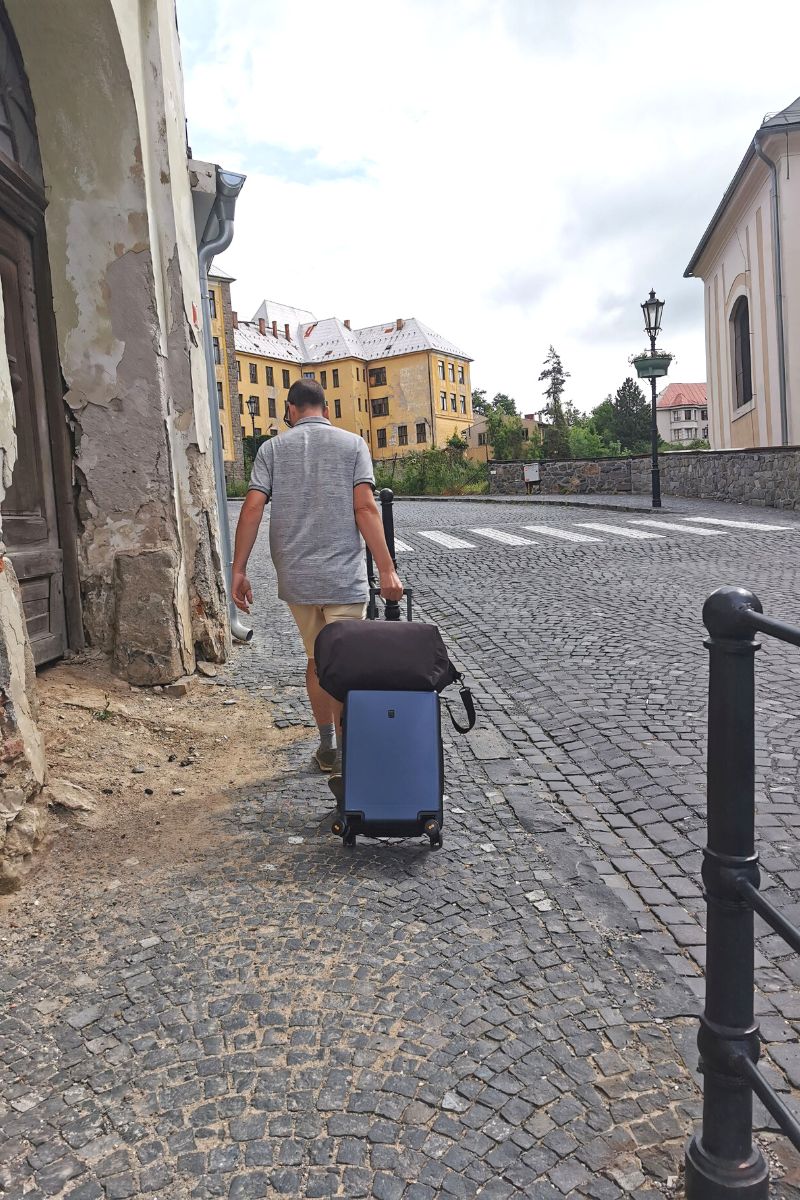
(675,395)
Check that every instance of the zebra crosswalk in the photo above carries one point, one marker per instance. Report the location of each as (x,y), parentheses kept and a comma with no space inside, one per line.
(588,533)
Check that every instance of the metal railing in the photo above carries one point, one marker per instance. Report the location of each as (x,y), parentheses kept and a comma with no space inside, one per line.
(721,1161)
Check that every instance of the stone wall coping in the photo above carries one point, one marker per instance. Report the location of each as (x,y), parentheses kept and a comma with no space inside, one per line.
(623,458)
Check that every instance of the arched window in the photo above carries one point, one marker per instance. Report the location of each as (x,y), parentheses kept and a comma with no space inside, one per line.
(740,321)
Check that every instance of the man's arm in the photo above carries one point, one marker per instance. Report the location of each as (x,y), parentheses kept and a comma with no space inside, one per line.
(370,526)
(246,534)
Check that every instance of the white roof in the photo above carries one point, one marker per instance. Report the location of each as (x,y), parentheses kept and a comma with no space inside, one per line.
(223,276)
(386,341)
(248,339)
(330,339)
(284,314)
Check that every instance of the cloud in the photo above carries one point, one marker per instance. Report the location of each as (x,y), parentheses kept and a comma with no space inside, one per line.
(515,173)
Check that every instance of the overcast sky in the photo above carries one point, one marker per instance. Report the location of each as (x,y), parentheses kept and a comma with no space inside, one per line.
(514,173)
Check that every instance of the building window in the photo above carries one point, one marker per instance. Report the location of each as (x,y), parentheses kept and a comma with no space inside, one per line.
(257,431)
(740,320)
(464,404)
(443,401)
(222,436)
(402,435)
(257,410)
(380,408)
(705,431)
(286,380)
(441,368)
(481,439)
(368,437)
(308,374)
(381,439)
(270,377)
(212,303)
(254,372)
(238,367)
(336,376)
(271,408)
(358,375)
(687,414)
(337,409)
(703,414)
(460,373)
(241,405)
(323,378)
(217,355)
(361,433)
(422,433)
(220,397)
(451,372)
(453,405)
(377,377)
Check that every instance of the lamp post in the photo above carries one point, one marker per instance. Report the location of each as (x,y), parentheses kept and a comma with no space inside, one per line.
(252,405)
(653,365)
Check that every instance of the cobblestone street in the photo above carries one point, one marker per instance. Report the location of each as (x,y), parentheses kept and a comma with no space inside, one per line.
(513,1016)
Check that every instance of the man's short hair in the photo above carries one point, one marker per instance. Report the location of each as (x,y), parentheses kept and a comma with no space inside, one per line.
(306,393)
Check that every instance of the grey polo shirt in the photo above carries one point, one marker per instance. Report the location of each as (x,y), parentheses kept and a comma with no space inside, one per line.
(309,473)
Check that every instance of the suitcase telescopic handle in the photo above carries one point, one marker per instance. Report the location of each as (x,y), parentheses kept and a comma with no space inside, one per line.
(372,607)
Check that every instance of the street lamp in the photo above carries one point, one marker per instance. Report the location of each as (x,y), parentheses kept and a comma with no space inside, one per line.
(252,407)
(653,365)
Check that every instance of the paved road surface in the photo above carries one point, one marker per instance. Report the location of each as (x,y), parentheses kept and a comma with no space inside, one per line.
(512,1016)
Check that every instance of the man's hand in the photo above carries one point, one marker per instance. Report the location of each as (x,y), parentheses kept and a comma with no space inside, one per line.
(391,587)
(241,591)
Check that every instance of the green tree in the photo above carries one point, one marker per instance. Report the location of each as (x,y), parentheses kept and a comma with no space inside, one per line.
(506,434)
(457,444)
(556,436)
(503,403)
(586,442)
(632,417)
(479,401)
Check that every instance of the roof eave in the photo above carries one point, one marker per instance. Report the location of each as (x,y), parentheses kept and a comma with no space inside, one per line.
(750,154)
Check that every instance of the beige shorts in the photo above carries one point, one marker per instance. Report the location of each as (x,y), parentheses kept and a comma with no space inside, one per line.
(310,619)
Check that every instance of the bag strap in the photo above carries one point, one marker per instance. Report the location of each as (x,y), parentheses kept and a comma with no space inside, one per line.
(469,707)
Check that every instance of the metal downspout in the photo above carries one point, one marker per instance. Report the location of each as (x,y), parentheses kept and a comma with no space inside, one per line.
(778,273)
(228,187)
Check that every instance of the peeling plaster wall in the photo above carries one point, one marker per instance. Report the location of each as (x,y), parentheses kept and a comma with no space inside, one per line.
(149,35)
(108,95)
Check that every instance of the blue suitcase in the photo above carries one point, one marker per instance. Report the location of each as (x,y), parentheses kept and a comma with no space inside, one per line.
(392,766)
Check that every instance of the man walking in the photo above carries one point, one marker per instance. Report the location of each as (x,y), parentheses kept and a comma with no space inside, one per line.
(320,481)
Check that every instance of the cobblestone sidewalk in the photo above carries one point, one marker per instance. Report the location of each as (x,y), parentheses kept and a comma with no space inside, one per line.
(287,1017)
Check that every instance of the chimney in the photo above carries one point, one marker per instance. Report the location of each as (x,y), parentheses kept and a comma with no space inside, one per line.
(286,331)
(399,323)
(235,319)
(347,323)
(262,326)
(274,329)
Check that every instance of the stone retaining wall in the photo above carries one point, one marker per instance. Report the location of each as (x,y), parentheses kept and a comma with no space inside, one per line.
(766,477)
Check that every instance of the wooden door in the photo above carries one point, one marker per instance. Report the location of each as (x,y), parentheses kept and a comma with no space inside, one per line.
(30,527)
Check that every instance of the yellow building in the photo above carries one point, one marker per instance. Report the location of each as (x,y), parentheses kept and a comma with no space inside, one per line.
(224,360)
(399,385)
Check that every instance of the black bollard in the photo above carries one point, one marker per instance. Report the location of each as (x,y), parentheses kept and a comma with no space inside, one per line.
(391,607)
(721,1162)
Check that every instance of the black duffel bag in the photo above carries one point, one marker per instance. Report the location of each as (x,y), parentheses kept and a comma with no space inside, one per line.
(403,656)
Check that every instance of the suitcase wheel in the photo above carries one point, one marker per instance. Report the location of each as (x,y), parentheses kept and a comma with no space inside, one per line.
(434,832)
(343,830)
